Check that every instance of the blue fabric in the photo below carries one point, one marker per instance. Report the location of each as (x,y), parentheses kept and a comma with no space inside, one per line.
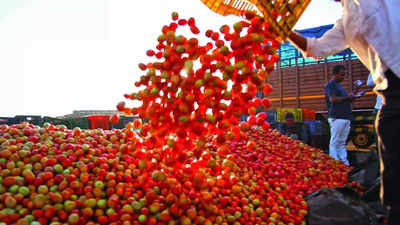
(317,32)
(337,110)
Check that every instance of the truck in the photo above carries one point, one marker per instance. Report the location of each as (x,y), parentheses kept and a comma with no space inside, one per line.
(299,82)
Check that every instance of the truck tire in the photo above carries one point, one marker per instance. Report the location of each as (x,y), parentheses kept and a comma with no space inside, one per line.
(363,139)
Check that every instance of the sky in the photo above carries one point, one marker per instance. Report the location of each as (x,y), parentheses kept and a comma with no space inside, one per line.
(57,56)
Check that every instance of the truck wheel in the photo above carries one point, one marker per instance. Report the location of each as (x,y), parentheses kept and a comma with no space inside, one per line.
(362,139)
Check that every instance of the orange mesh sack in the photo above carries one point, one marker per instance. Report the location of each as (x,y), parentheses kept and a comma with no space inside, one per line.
(281,14)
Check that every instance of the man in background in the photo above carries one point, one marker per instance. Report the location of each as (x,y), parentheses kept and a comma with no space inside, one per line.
(338,103)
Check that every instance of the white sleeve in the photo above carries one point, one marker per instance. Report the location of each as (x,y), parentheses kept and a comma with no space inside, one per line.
(332,42)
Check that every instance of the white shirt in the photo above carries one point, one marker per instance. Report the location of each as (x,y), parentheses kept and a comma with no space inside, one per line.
(370,82)
(371,28)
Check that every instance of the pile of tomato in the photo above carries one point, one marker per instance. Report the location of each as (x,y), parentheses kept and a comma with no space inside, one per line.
(52,175)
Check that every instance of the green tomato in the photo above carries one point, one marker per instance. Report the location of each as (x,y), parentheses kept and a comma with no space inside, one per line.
(24,191)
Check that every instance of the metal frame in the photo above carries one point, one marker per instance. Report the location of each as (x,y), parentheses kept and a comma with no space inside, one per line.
(290,57)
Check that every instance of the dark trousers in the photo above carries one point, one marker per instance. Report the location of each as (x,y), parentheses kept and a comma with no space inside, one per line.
(388,130)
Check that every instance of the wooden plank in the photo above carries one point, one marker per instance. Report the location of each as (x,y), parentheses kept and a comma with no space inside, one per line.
(326,70)
(312,92)
(280,84)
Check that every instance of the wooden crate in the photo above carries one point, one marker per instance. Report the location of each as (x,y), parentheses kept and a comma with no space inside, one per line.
(230,7)
(282,15)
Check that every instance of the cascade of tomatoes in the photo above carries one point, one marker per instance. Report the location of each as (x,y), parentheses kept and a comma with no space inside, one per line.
(192,90)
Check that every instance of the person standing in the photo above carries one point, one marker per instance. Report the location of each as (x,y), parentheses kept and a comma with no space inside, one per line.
(371,29)
(338,103)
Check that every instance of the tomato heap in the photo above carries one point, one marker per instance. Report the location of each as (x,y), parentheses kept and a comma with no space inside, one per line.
(52,175)
(192,90)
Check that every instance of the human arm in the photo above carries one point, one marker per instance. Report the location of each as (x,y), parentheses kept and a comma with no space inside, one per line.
(332,42)
(299,41)
(335,99)
(333,94)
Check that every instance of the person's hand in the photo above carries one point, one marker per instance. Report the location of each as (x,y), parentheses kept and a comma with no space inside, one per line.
(360,93)
(298,40)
